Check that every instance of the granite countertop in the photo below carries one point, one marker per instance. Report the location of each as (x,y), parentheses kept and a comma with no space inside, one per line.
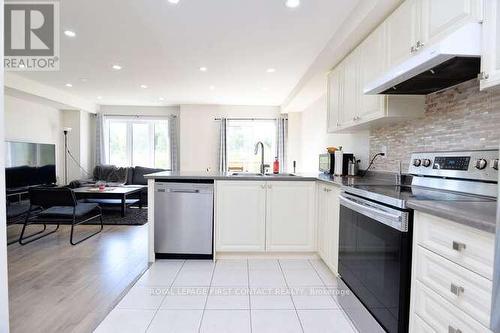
(477,214)
(336,180)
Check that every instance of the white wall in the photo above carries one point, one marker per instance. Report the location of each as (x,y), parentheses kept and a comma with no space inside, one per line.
(33,122)
(199,131)
(4,299)
(314,138)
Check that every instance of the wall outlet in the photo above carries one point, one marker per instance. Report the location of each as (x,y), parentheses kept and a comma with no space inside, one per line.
(384,150)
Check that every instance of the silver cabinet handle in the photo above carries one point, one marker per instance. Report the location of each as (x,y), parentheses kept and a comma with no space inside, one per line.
(457,290)
(269,186)
(452,329)
(457,246)
(419,45)
(413,49)
(263,186)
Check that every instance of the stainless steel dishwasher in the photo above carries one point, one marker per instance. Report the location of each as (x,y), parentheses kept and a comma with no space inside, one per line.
(183,220)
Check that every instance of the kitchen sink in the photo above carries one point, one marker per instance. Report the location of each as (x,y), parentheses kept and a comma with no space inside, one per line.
(250,174)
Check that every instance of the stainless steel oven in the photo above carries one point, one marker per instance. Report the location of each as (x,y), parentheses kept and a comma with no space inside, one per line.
(375,258)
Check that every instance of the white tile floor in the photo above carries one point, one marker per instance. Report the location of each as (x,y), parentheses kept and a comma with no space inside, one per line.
(252,295)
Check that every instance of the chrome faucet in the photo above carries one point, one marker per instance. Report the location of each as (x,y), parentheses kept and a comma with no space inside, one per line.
(262,165)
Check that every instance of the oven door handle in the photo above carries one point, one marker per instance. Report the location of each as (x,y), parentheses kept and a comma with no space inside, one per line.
(397,221)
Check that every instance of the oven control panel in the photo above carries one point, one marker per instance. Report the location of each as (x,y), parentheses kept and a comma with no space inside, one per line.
(477,164)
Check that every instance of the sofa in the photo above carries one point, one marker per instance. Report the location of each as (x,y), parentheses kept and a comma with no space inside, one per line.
(118,176)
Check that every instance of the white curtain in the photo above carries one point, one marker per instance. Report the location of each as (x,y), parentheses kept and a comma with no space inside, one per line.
(222,145)
(282,126)
(173,125)
(100,150)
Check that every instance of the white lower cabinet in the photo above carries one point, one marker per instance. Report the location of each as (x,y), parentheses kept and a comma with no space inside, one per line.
(451,279)
(328,225)
(241,216)
(290,219)
(258,216)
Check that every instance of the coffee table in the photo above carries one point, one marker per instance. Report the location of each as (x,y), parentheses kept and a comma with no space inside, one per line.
(112,195)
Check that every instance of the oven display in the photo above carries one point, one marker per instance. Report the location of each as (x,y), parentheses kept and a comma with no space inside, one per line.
(452,163)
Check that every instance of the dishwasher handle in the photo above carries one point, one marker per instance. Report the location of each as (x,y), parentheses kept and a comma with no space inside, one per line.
(173,190)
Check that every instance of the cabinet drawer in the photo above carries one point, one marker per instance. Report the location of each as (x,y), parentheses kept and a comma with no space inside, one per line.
(440,315)
(420,326)
(467,290)
(466,246)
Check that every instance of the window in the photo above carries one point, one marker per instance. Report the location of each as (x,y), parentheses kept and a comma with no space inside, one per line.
(241,137)
(138,142)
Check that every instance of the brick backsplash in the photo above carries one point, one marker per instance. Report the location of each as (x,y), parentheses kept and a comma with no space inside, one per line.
(459,118)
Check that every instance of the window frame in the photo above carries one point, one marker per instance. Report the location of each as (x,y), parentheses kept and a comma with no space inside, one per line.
(129,141)
(254,120)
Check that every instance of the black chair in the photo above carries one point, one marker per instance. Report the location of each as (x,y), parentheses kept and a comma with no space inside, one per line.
(59,206)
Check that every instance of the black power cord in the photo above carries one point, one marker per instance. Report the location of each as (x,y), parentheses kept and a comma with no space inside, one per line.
(371,162)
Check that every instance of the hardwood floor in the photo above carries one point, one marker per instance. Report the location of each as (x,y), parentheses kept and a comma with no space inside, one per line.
(56,287)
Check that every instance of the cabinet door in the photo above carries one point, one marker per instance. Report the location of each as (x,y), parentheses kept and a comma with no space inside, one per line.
(334,98)
(441,17)
(240,216)
(333,228)
(402,32)
(350,95)
(372,64)
(490,59)
(322,231)
(290,223)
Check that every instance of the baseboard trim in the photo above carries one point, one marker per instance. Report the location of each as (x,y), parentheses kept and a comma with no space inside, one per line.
(183,256)
(266,255)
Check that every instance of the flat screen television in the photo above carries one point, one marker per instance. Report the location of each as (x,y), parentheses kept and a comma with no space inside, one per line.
(28,164)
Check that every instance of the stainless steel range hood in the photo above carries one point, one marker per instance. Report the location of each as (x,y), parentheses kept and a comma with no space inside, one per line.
(453,60)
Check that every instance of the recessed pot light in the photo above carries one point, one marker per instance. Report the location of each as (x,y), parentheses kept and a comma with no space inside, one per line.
(292,3)
(174,2)
(117,67)
(143,86)
(161,99)
(99,97)
(69,85)
(212,87)
(271,70)
(203,69)
(70,33)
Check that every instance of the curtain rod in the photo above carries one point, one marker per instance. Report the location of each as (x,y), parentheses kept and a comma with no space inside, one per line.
(246,118)
(137,115)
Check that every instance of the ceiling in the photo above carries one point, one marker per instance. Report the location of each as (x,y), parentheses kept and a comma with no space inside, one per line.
(163,46)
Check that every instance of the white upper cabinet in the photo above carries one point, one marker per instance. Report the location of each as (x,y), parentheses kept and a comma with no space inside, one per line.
(490,60)
(350,95)
(334,98)
(441,17)
(241,216)
(403,31)
(372,63)
(412,27)
(291,212)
